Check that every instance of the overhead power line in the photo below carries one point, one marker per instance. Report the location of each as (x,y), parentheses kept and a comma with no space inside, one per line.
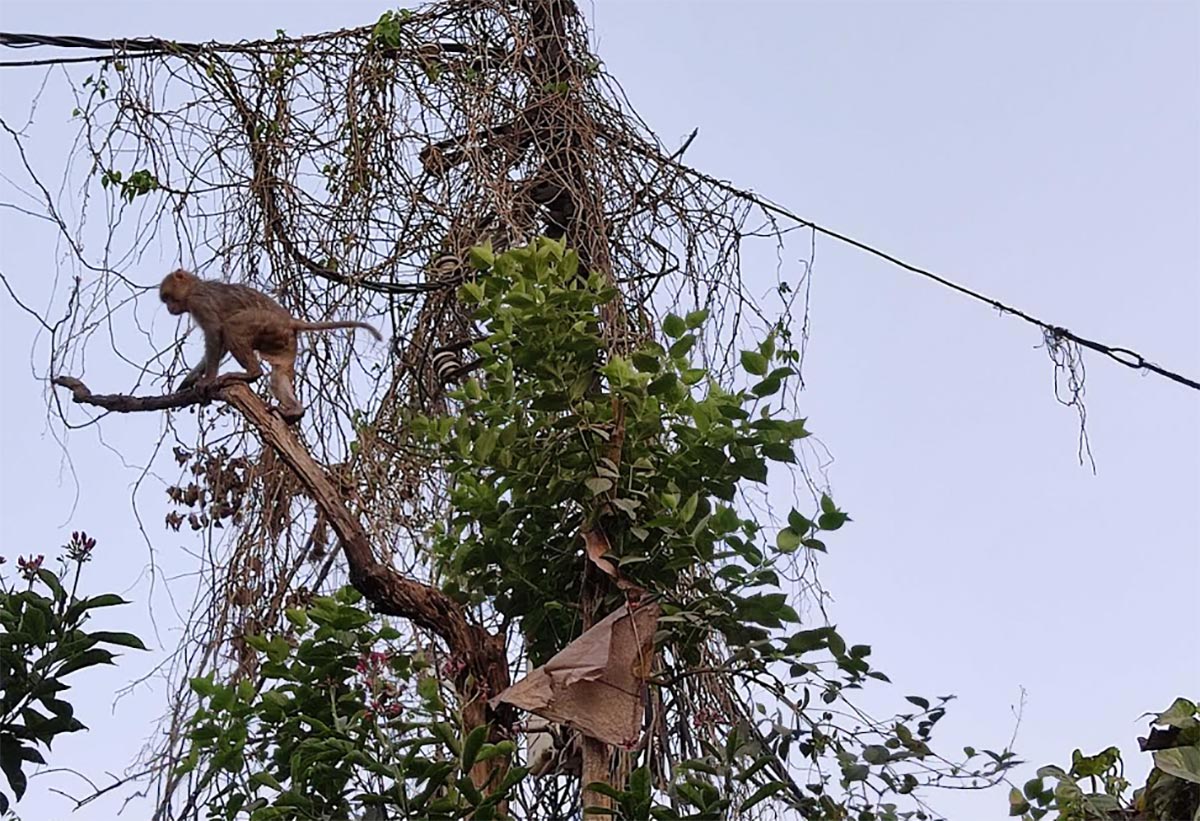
(1055,333)
(153,46)
(1123,356)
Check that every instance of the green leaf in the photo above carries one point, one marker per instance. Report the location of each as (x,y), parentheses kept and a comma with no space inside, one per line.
(202,685)
(1094,765)
(482,256)
(49,579)
(471,292)
(831,521)
(265,779)
(103,600)
(515,776)
(605,789)
(428,690)
(779,452)
(767,387)
(10,764)
(768,345)
(278,649)
(257,641)
(681,347)
(89,658)
(806,641)
(662,384)
(923,703)
(1181,762)
(837,645)
(569,265)
(639,782)
(753,469)
(1181,714)
(856,772)
(831,518)
(876,754)
(472,746)
(689,508)
(798,522)
(32,754)
(59,707)
(489,751)
(447,736)
(696,318)
(754,362)
(485,445)
(469,791)
(627,505)
(724,520)
(762,794)
(598,485)
(674,327)
(121,639)
(1017,805)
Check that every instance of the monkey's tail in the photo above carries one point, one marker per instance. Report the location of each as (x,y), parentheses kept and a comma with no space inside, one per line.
(332,326)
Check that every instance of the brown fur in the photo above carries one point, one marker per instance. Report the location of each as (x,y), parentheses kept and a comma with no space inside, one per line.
(241,321)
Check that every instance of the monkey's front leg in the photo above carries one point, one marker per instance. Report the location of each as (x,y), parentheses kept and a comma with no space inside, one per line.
(205,372)
(193,377)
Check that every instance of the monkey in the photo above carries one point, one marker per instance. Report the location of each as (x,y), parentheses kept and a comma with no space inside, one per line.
(241,320)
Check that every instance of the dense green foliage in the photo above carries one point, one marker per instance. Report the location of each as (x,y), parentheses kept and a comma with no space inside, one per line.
(343,719)
(1094,787)
(42,643)
(340,721)
(530,454)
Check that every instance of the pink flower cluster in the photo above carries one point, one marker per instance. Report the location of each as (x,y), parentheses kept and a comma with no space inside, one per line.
(79,549)
(381,692)
(29,567)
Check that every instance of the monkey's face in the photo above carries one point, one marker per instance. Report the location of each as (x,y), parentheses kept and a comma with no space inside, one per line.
(175,305)
(174,292)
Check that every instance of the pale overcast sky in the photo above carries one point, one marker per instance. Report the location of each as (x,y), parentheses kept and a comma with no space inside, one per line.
(1043,153)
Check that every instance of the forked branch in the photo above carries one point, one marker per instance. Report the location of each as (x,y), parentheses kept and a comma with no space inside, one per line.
(389,591)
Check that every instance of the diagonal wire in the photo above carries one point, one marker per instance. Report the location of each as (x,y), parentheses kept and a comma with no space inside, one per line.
(1055,333)
(153,46)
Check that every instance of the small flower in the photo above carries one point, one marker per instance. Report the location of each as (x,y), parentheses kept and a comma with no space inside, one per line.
(29,567)
(79,549)
(453,666)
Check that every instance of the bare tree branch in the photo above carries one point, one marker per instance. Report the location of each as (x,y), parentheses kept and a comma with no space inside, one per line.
(389,591)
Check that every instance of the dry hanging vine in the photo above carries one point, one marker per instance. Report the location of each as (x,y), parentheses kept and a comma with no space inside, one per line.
(350,174)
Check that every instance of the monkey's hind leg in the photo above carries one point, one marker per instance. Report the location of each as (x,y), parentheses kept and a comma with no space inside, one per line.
(238,334)
(283,378)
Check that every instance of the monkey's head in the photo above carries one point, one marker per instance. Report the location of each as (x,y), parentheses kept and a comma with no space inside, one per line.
(175,289)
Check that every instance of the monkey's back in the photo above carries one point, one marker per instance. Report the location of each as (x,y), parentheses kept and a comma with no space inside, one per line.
(237,298)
